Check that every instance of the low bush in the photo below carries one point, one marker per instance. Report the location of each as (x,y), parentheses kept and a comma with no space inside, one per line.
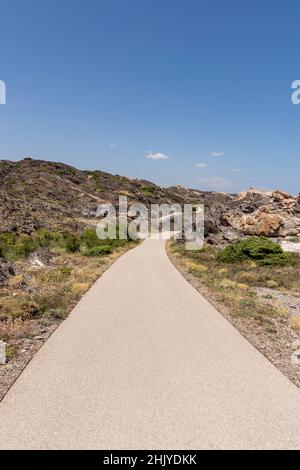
(56,275)
(98,250)
(12,247)
(55,299)
(148,189)
(89,238)
(260,249)
(25,246)
(71,242)
(11,351)
(7,238)
(45,237)
(18,308)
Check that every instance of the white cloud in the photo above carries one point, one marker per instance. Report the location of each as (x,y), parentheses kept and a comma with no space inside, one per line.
(217,154)
(215,183)
(201,165)
(236,170)
(112,146)
(157,156)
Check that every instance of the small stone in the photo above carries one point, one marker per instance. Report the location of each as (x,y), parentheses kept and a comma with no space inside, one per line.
(2,352)
(296,357)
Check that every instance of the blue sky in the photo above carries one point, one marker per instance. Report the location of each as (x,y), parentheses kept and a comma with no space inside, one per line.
(102,84)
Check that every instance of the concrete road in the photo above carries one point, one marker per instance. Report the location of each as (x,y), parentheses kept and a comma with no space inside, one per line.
(145,362)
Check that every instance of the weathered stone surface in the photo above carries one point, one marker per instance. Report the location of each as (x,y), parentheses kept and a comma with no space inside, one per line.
(288,231)
(6,271)
(40,257)
(261,223)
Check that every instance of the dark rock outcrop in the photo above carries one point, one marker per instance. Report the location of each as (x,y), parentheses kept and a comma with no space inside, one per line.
(6,271)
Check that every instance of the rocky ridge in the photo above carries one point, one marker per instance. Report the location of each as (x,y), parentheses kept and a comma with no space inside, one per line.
(36,193)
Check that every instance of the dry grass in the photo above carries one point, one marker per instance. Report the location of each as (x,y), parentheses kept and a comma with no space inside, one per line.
(233,284)
(46,295)
(38,299)
(285,277)
(295,322)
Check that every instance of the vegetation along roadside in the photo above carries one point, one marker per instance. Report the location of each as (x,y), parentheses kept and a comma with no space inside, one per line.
(42,277)
(256,286)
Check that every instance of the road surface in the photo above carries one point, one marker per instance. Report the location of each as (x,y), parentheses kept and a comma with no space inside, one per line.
(145,362)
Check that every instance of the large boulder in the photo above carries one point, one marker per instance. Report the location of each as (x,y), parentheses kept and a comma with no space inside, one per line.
(291,227)
(252,200)
(261,223)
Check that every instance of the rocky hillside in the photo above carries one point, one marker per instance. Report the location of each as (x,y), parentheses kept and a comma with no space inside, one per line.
(271,214)
(35,194)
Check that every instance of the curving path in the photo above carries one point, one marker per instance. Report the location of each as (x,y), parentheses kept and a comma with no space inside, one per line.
(145,362)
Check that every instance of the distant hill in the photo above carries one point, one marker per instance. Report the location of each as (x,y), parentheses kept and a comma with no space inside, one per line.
(36,193)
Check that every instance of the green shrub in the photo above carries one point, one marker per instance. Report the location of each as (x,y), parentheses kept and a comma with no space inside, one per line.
(98,250)
(90,238)
(64,271)
(279,259)
(148,189)
(57,275)
(7,238)
(57,313)
(25,246)
(11,351)
(71,242)
(54,300)
(7,245)
(260,249)
(46,237)
(18,308)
